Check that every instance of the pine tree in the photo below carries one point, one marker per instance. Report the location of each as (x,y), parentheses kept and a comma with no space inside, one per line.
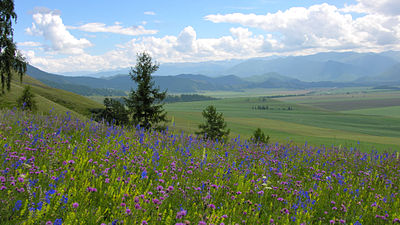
(26,101)
(145,103)
(259,136)
(214,126)
(10,59)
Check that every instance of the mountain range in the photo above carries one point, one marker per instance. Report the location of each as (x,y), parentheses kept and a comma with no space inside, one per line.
(332,69)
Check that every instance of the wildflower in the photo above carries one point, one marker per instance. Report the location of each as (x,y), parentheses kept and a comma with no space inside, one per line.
(285,211)
(128,211)
(202,223)
(181,214)
(58,222)
(170,188)
(49,223)
(75,205)
(211,206)
(144,222)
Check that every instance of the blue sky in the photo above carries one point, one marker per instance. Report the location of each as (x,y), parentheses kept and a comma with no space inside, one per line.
(67,36)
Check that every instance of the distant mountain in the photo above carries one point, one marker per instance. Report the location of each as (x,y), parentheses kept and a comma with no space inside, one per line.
(391,76)
(325,66)
(183,83)
(210,68)
(330,66)
(78,85)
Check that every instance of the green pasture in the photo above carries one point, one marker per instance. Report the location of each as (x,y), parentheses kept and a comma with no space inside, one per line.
(49,99)
(392,111)
(302,124)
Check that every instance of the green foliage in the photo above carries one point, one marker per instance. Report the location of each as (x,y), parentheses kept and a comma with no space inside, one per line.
(144,103)
(10,58)
(187,98)
(26,101)
(115,112)
(215,125)
(259,136)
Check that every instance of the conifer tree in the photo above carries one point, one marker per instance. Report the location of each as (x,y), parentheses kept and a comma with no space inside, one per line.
(145,103)
(10,59)
(26,101)
(214,126)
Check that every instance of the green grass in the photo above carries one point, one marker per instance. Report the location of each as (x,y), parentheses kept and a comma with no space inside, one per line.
(49,99)
(303,123)
(392,111)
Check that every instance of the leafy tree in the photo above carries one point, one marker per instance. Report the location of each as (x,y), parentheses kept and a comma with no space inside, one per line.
(259,136)
(145,103)
(214,126)
(26,100)
(115,112)
(10,59)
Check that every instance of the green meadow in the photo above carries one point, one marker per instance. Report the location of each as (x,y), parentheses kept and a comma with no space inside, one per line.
(49,99)
(317,118)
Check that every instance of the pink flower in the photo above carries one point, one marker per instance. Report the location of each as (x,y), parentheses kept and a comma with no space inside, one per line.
(75,205)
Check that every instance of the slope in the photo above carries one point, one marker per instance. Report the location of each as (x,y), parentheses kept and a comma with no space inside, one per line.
(49,99)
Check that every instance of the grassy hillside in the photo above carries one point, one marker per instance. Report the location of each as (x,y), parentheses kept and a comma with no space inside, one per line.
(302,124)
(49,99)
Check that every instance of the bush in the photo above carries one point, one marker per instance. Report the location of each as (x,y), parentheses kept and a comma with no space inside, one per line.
(26,101)
(259,136)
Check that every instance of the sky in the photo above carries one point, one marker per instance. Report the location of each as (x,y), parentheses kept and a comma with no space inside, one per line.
(63,36)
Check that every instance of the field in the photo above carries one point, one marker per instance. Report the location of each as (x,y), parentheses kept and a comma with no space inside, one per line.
(49,99)
(61,170)
(319,118)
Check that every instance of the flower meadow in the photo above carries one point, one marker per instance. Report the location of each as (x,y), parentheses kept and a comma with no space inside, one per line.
(61,170)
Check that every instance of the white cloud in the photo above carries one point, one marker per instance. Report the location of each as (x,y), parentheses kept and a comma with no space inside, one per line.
(295,31)
(49,24)
(150,13)
(321,26)
(116,29)
(384,7)
(182,48)
(29,44)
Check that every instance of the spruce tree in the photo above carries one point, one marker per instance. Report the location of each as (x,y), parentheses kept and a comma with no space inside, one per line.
(10,59)
(214,126)
(145,103)
(26,101)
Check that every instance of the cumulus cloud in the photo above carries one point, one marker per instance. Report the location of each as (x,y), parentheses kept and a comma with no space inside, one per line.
(29,44)
(321,26)
(294,31)
(49,24)
(185,47)
(116,29)
(384,7)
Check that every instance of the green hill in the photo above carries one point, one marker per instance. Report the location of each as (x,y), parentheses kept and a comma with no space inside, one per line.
(48,98)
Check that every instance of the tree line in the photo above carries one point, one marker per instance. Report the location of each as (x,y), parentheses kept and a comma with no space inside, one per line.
(266,107)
